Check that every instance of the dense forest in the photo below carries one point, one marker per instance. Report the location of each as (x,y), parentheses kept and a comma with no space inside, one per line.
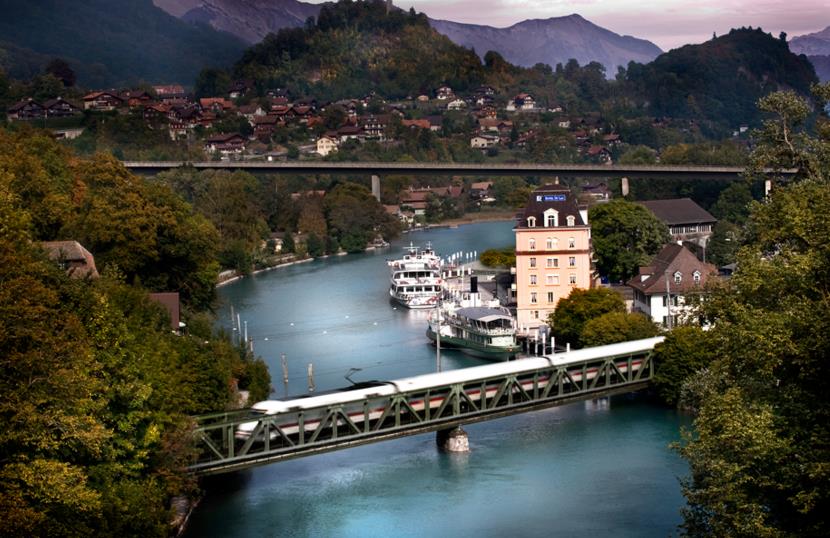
(95,389)
(109,42)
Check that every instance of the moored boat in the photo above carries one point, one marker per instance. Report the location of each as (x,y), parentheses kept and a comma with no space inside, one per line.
(488,332)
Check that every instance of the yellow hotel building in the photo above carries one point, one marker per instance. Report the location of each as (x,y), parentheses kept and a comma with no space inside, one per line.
(553,253)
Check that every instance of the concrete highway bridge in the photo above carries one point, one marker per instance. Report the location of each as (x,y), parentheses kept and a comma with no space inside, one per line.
(279,430)
(458,169)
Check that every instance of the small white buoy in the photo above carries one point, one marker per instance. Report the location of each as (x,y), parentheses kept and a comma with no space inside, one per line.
(347,317)
(292,324)
(375,323)
(266,338)
(325,332)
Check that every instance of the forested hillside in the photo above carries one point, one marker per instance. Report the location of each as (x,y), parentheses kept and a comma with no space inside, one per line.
(95,389)
(355,48)
(721,80)
(110,42)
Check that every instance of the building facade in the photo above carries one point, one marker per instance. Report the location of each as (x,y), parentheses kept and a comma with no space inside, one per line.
(553,253)
(670,285)
(685,220)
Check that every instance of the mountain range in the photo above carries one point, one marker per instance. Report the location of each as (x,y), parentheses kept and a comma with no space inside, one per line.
(109,42)
(817,48)
(549,41)
(552,41)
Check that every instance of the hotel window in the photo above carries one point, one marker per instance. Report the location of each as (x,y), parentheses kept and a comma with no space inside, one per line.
(533,297)
(549,243)
(571,220)
(549,262)
(532,280)
(571,242)
(533,262)
(535,314)
(572,279)
(532,244)
(550,296)
(531,222)
(572,261)
(549,280)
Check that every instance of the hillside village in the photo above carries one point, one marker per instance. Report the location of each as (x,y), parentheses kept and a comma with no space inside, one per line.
(241,125)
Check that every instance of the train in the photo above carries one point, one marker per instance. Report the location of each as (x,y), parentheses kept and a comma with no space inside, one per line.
(488,378)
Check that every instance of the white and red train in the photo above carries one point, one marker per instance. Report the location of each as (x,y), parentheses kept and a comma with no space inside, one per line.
(487,378)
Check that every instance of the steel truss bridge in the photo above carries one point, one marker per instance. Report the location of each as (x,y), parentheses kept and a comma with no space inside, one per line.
(459,169)
(279,430)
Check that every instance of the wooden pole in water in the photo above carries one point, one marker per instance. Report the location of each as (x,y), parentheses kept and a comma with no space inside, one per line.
(284,373)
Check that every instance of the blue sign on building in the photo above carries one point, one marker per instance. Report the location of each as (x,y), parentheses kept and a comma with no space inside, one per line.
(551,198)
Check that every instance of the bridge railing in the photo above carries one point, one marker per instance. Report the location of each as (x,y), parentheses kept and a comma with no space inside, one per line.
(246,438)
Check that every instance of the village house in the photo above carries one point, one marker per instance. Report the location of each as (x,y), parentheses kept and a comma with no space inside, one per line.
(422,98)
(436,123)
(71,256)
(351,132)
(216,105)
(28,109)
(420,124)
(250,112)
(599,153)
(240,88)
(664,290)
(483,141)
(102,101)
(593,194)
(553,253)
(136,98)
(495,125)
(264,126)
(328,143)
(170,93)
(457,104)
(228,146)
(685,220)
(480,189)
(60,108)
(374,126)
(522,102)
(444,93)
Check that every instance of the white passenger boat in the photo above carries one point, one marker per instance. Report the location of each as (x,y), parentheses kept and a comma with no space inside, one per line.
(417,255)
(416,285)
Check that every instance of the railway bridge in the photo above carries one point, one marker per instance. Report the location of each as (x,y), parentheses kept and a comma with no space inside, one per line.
(276,430)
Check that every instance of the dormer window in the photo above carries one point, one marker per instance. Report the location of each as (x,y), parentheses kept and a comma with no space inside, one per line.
(571,220)
(696,277)
(551,218)
(531,222)
(678,277)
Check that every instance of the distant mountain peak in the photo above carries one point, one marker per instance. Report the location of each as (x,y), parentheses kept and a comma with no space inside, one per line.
(551,41)
(815,44)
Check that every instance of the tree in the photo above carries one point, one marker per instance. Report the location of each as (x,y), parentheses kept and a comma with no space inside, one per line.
(626,236)
(723,246)
(578,308)
(58,68)
(639,155)
(685,352)
(212,82)
(616,327)
(733,203)
(759,448)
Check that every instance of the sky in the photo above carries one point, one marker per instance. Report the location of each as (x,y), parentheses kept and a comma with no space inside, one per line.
(667,23)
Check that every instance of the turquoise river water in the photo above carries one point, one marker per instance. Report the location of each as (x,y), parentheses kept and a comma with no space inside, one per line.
(598,468)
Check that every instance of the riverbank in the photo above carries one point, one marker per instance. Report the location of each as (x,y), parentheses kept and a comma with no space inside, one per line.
(226,277)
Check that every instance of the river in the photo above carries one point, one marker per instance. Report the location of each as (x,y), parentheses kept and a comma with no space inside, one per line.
(595,468)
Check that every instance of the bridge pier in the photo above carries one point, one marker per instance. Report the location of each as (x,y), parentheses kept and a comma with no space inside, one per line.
(376,187)
(453,440)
